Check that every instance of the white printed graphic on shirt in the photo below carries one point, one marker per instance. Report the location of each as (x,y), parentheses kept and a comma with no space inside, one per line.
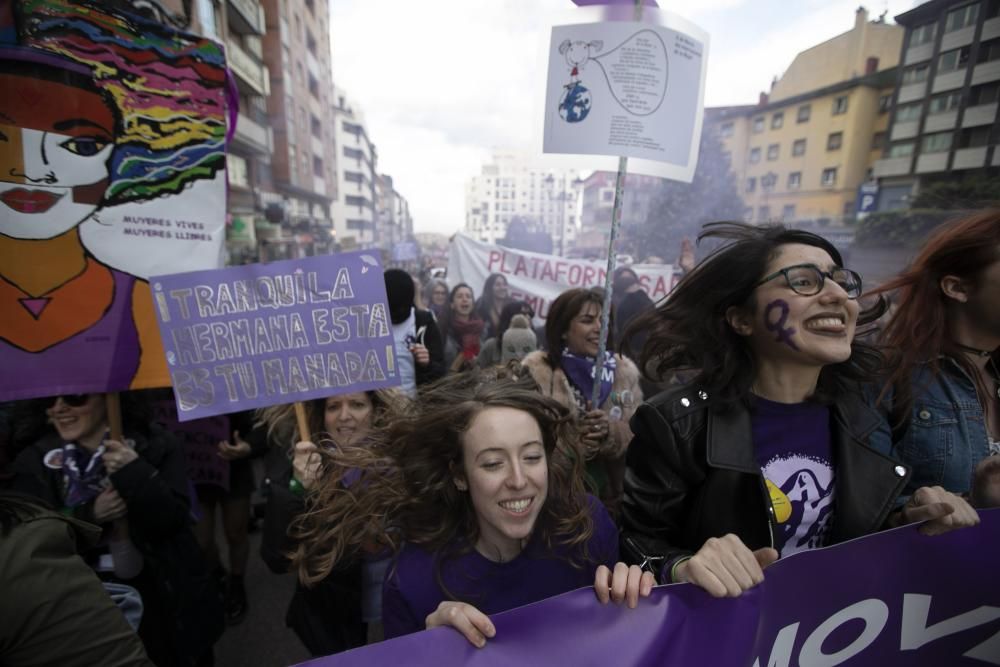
(801,489)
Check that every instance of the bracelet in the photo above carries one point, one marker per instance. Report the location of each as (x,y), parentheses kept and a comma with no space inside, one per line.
(673,569)
(296,487)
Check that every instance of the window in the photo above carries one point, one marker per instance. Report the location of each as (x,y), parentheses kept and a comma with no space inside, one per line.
(829,176)
(840,105)
(768,181)
(952,60)
(974,137)
(985,94)
(903,149)
(794,180)
(989,51)
(944,103)
(788,212)
(754,155)
(772,152)
(802,116)
(313,86)
(878,141)
(908,112)
(884,102)
(961,17)
(915,74)
(758,124)
(751,184)
(936,143)
(834,141)
(764,213)
(316,127)
(310,43)
(799,147)
(777,120)
(922,34)
(726,130)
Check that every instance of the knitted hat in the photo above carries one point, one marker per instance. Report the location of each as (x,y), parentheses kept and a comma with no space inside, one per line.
(519,340)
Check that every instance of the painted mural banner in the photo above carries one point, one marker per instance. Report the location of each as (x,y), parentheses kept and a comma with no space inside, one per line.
(113,168)
(893,598)
(265,334)
(537,278)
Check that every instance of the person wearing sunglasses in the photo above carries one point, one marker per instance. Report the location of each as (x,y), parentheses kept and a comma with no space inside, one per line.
(137,492)
(772,448)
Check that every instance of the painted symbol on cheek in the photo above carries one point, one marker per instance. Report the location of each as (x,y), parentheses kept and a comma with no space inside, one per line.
(783,334)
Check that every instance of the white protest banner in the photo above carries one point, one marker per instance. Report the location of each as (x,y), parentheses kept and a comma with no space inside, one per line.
(537,278)
(628,88)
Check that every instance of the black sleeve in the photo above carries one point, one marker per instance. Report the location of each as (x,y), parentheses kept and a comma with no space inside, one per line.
(659,473)
(435,347)
(157,496)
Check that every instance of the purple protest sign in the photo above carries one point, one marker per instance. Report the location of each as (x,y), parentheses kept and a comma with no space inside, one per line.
(200,439)
(897,597)
(264,334)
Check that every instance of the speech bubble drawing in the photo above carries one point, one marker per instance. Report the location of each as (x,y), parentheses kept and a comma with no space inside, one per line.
(637,72)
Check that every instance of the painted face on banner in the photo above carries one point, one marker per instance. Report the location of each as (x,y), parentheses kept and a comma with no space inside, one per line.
(55,144)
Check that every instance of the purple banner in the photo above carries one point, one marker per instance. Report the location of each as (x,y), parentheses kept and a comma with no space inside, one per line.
(264,334)
(897,597)
(200,438)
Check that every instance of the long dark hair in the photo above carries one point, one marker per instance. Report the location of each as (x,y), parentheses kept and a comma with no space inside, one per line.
(917,332)
(406,492)
(689,330)
(484,307)
(562,311)
(446,317)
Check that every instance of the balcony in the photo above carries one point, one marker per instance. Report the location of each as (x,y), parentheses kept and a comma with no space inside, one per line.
(894,166)
(940,122)
(949,80)
(981,114)
(956,38)
(969,158)
(249,72)
(247,17)
(905,130)
(991,29)
(986,72)
(932,163)
(911,92)
(252,136)
(919,53)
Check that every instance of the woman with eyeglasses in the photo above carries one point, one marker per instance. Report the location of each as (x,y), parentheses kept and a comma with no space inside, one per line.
(771,449)
(137,491)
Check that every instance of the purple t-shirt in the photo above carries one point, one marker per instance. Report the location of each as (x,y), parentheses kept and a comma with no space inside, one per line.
(411,591)
(793,447)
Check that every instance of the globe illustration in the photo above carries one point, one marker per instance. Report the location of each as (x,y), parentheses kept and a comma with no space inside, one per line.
(575,103)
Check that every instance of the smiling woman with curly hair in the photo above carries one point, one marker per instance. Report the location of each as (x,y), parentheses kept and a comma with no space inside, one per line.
(468,494)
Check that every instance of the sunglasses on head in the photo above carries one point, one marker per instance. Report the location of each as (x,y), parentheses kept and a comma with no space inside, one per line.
(72,400)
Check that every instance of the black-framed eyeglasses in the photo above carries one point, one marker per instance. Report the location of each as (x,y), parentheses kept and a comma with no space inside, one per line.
(72,400)
(808,279)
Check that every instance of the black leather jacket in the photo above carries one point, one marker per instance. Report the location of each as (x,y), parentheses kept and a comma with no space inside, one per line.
(691,474)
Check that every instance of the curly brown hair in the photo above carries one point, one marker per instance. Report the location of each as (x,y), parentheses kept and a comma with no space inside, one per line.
(406,490)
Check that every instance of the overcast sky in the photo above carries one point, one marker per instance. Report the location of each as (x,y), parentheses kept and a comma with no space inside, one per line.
(441,84)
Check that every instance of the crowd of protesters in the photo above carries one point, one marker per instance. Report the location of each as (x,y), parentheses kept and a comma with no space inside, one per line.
(768,405)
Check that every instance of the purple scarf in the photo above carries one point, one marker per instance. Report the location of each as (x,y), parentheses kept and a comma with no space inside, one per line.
(580,372)
(84,474)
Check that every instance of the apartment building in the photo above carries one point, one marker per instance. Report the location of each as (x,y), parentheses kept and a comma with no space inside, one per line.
(945,99)
(802,153)
(515,186)
(597,205)
(394,224)
(354,209)
(300,112)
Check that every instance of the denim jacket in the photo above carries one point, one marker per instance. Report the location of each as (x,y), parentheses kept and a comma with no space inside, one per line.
(946,436)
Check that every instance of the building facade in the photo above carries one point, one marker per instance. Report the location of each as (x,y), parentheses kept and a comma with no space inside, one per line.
(354,208)
(394,225)
(945,123)
(300,112)
(804,151)
(597,203)
(516,188)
